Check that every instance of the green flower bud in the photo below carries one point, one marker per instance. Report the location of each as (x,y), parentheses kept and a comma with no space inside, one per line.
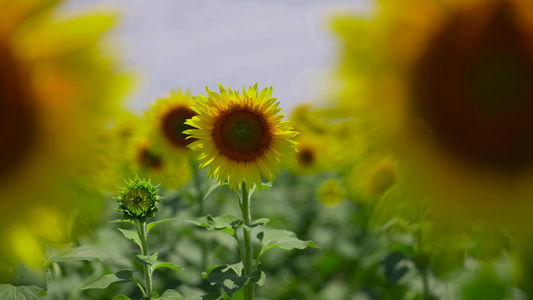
(138,200)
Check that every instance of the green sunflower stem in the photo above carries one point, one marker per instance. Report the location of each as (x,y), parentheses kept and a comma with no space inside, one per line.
(198,185)
(143,232)
(248,248)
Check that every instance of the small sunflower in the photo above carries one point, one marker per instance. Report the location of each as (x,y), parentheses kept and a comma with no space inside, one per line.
(166,120)
(138,200)
(241,136)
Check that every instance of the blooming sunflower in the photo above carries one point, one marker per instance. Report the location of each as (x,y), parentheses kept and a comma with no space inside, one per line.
(241,136)
(446,86)
(166,120)
(54,98)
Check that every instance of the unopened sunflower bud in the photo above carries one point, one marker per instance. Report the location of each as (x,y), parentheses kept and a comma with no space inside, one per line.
(138,200)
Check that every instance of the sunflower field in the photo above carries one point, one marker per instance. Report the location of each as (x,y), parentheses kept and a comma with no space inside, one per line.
(408,176)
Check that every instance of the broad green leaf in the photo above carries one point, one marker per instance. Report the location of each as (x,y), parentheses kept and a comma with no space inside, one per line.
(71,253)
(151,225)
(131,235)
(8,291)
(106,280)
(121,297)
(259,222)
(282,239)
(226,278)
(171,295)
(226,223)
(162,264)
(210,296)
(258,277)
(147,260)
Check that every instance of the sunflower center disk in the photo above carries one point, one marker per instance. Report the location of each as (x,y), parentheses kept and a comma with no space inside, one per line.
(242,134)
(17,117)
(474,88)
(173,126)
(138,201)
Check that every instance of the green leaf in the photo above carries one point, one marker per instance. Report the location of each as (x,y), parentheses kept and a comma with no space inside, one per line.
(121,297)
(260,222)
(147,260)
(282,239)
(124,221)
(227,223)
(211,188)
(171,295)
(226,278)
(153,224)
(162,264)
(71,253)
(106,280)
(131,235)
(264,186)
(8,291)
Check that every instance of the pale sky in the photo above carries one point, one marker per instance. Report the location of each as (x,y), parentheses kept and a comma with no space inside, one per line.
(191,44)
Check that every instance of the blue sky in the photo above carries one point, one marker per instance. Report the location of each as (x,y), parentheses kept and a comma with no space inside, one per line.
(196,43)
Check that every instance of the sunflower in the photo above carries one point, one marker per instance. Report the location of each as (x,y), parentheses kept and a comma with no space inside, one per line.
(54,98)
(446,87)
(166,119)
(241,136)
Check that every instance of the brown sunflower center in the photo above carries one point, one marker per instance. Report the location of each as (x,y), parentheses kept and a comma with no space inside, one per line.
(17,116)
(474,87)
(174,124)
(306,156)
(148,159)
(242,134)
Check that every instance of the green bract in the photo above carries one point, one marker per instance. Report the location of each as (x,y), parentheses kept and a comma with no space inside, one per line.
(138,200)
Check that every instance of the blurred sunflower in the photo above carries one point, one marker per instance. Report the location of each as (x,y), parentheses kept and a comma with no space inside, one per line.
(312,141)
(54,98)
(166,120)
(241,136)
(446,87)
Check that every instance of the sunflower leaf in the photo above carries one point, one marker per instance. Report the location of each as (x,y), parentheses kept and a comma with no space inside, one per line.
(8,291)
(147,259)
(264,186)
(71,253)
(259,222)
(282,239)
(124,221)
(211,189)
(226,278)
(153,224)
(131,235)
(106,280)
(162,264)
(226,223)
(171,295)
(121,297)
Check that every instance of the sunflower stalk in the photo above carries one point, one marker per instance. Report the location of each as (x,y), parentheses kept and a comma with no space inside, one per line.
(248,252)
(143,234)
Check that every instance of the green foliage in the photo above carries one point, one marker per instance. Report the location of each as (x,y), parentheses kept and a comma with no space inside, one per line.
(226,278)
(282,239)
(71,253)
(8,291)
(119,277)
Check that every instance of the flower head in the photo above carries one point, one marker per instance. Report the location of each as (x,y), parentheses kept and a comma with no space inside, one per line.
(138,200)
(166,121)
(63,80)
(241,136)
